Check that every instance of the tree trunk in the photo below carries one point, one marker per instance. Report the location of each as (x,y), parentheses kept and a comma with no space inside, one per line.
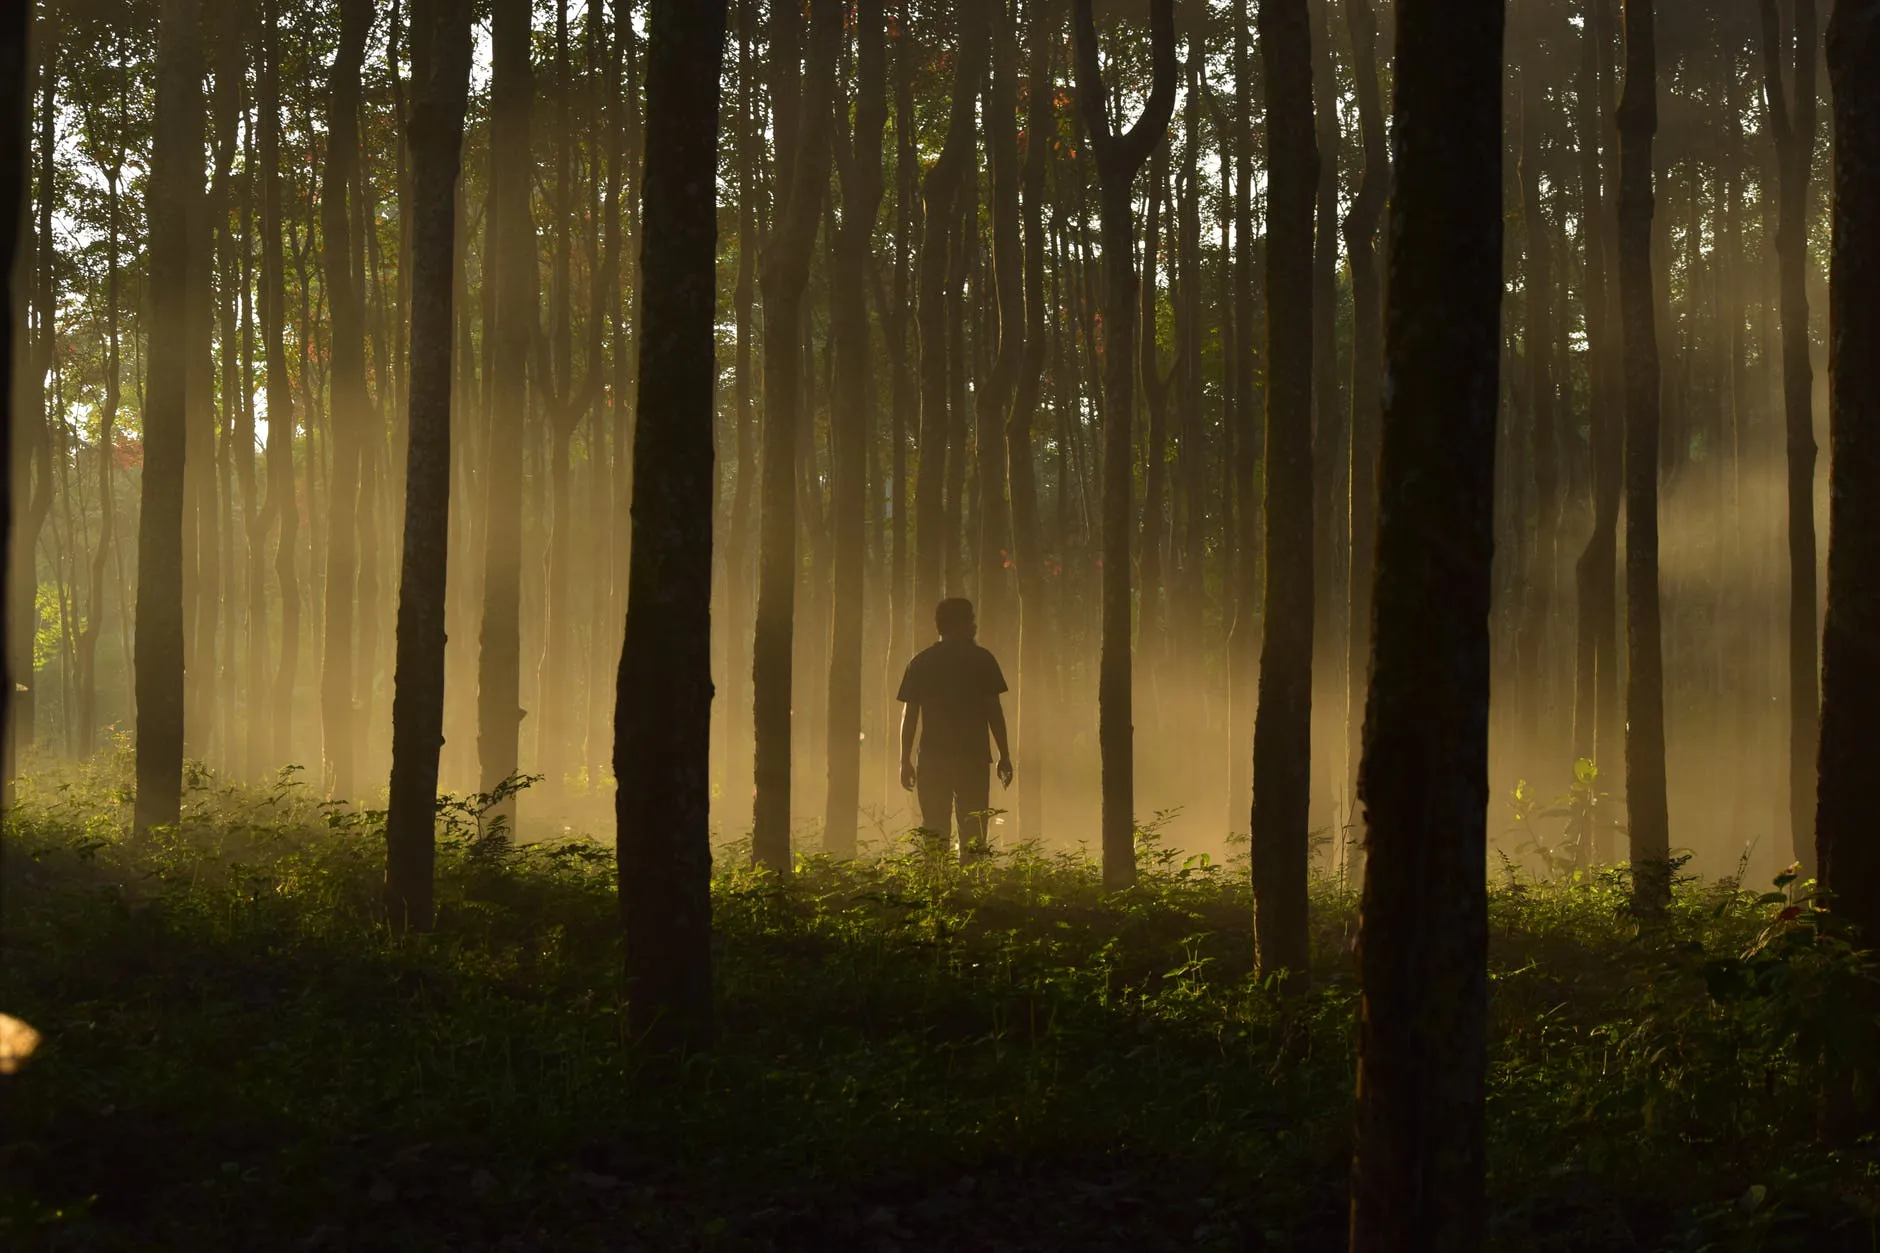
(1537,346)
(1244,639)
(1119,158)
(994,400)
(852,423)
(1792,122)
(510,266)
(1282,734)
(176,162)
(1150,620)
(1645,689)
(941,192)
(785,276)
(1367,385)
(440,80)
(1419,1164)
(1028,555)
(349,402)
(1850,711)
(1328,428)
(662,749)
(15,114)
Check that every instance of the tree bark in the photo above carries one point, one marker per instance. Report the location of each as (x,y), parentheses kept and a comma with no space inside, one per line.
(663,703)
(1119,158)
(1645,690)
(1792,122)
(1282,733)
(1367,378)
(1537,346)
(15,115)
(440,61)
(1249,447)
(510,265)
(852,422)
(176,162)
(784,277)
(348,417)
(1419,1164)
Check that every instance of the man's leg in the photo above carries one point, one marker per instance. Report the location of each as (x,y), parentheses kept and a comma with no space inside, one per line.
(934,788)
(973,795)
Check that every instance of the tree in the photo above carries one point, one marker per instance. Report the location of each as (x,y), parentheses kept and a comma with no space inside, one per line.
(339,211)
(1282,733)
(440,60)
(1792,122)
(1419,1165)
(1645,685)
(859,167)
(1537,350)
(176,159)
(280,392)
(510,256)
(785,275)
(15,111)
(663,699)
(1850,676)
(1034,623)
(1119,158)
(1367,368)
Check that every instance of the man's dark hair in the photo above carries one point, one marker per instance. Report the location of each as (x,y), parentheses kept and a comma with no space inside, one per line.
(954,616)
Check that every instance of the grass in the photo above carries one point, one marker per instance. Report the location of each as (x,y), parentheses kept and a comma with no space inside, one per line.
(239,1055)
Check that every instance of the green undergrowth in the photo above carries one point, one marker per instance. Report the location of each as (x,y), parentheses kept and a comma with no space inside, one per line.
(238,1054)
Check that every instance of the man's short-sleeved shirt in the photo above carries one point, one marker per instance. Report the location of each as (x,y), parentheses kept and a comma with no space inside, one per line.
(955,683)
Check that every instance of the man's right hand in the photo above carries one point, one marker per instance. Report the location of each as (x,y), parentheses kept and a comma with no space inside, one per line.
(907,775)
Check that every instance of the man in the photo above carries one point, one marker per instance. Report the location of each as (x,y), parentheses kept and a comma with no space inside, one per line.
(951,690)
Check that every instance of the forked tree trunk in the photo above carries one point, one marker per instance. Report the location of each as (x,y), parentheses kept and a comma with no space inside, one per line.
(1119,158)
(1792,122)
(1282,733)
(1419,1165)
(440,81)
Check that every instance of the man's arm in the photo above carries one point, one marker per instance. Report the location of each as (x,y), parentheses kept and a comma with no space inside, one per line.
(910,725)
(996,718)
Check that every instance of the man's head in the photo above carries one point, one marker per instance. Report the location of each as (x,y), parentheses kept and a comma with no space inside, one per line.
(953,618)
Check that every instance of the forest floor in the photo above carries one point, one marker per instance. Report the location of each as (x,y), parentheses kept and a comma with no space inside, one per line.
(237,1055)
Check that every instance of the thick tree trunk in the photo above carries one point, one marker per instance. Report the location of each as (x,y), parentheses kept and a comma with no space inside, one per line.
(1645,687)
(1151,629)
(1119,158)
(993,398)
(1328,431)
(785,276)
(1792,121)
(510,264)
(1243,643)
(1419,1164)
(1537,346)
(734,704)
(1850,646)
(1282,734)
(175,178)
(440,31)
(852,424)
(662,749)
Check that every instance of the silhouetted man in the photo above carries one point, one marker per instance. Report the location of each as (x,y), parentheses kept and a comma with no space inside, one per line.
(951,690)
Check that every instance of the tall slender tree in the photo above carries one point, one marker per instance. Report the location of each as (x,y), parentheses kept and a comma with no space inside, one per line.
(340,214)
(1419,1165)
(440,81)
(1645,684)
(1119,158)
(1789,99)
(1282,733)
(852,423)
(784,279)
(15,113)
(175,183)
(1850,709)
(663,701)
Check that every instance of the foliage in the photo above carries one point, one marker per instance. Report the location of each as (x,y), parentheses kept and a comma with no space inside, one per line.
(914,1055)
